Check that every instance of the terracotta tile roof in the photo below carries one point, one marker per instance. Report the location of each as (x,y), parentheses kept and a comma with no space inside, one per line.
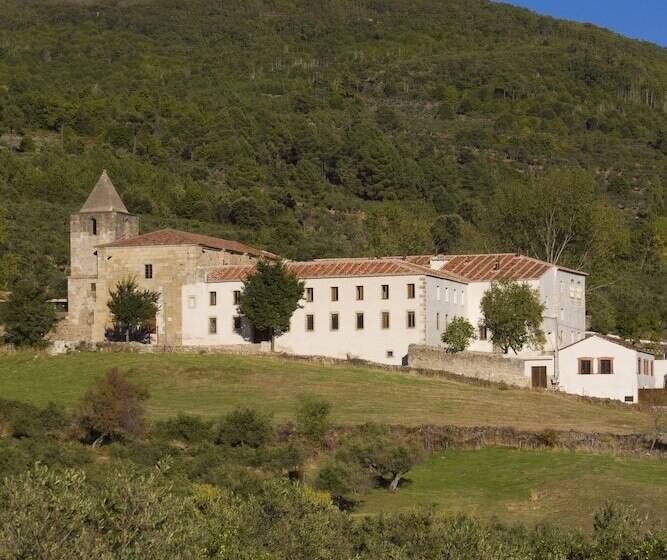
(488,267)
(176,237)
(629,344)
(336,268)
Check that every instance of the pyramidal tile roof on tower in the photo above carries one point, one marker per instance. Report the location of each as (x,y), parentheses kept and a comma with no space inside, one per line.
(104,197)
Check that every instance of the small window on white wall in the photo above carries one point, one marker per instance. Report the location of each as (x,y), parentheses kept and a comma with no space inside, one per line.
(437,293)
(192,302)
(463,297)
(455,295)
(446,294)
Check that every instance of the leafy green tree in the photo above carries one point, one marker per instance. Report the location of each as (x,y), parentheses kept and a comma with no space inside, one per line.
(512,312)
(27,144)
(446,231)
(113,410)
(270,296)
(458,335)
(312,417)
(28,315)
(131,307)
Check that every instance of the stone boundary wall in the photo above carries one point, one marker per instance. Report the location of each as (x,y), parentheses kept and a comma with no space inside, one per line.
(241,349)
(442,438)
(480,365)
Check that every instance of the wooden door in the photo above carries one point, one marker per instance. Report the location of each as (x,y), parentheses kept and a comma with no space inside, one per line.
(539,376)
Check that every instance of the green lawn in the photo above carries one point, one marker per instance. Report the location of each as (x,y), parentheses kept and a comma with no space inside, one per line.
(562,487)
(210,385)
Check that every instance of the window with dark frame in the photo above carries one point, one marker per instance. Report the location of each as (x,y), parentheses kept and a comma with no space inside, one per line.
(411,291)
(606,366)
(385,319)
(390,353)
(483,333)
(213,298)
(585,366)
(237,323)
(237,297)
(334,321)
(148,271)
(212,325)
(93,226)
(310,322)
(310,294)
(334,293)
(411,320)
(359,321)
(360,293)
(385,291)
(629,398)
(93,290)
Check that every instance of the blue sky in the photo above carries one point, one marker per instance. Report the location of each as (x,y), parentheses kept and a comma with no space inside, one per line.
(640,19)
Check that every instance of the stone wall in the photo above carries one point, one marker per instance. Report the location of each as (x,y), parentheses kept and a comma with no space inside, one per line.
(481,365)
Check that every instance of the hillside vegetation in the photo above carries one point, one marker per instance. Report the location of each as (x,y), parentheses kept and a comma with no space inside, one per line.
(210,385)
(335,128)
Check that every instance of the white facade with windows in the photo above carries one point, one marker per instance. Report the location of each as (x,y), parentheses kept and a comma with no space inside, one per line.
(355,315)
(598,366)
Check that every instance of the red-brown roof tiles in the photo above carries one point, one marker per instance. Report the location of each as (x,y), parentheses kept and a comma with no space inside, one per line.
(176,237)
(336,268)
(488,267)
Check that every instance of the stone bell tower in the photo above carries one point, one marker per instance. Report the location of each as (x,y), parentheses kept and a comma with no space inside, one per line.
(102,219)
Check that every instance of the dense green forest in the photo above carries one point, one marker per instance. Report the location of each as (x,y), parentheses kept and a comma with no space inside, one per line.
(340,127)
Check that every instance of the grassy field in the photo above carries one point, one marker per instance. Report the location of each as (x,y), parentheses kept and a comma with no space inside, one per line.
(210,385)
(562,487)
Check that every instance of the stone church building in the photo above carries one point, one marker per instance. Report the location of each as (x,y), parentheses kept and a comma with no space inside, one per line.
(105,248)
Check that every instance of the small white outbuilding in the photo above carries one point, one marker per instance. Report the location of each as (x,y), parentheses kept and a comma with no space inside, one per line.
(606,367)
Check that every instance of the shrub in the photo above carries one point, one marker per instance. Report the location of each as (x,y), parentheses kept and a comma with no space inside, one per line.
(19,420)
(113,410)
(313,417)
(245,427)
(548,438)
(346,482)
(185,428)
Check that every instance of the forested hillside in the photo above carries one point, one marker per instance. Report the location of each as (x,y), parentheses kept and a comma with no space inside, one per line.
(341,127)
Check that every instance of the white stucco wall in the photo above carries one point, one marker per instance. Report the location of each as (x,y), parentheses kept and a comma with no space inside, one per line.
(445,299)
(624,382)
(371,343)
(660,370)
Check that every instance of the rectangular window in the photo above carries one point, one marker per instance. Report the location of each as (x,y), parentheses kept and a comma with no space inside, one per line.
(385,319)
(360,321)
(411,291)
(310,322)
(237,323)
(437,321)
(212,325)
(437,293)
(455,296)
(606,366)
(446,294)
(483,333)
(213,298)
(148,271)
(192,302)
(629,399)
(310,295)
(237,297)
(639,366)
(390,353)
(385,291)
(334,321)
(585,366)
(360,293)
(411,320)
(93,290)
(334,293)
(463,297)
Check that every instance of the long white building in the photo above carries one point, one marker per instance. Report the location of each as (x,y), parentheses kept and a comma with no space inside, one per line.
(374,309)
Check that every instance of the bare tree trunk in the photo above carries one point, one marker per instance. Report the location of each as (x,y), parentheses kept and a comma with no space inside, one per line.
(394,483)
